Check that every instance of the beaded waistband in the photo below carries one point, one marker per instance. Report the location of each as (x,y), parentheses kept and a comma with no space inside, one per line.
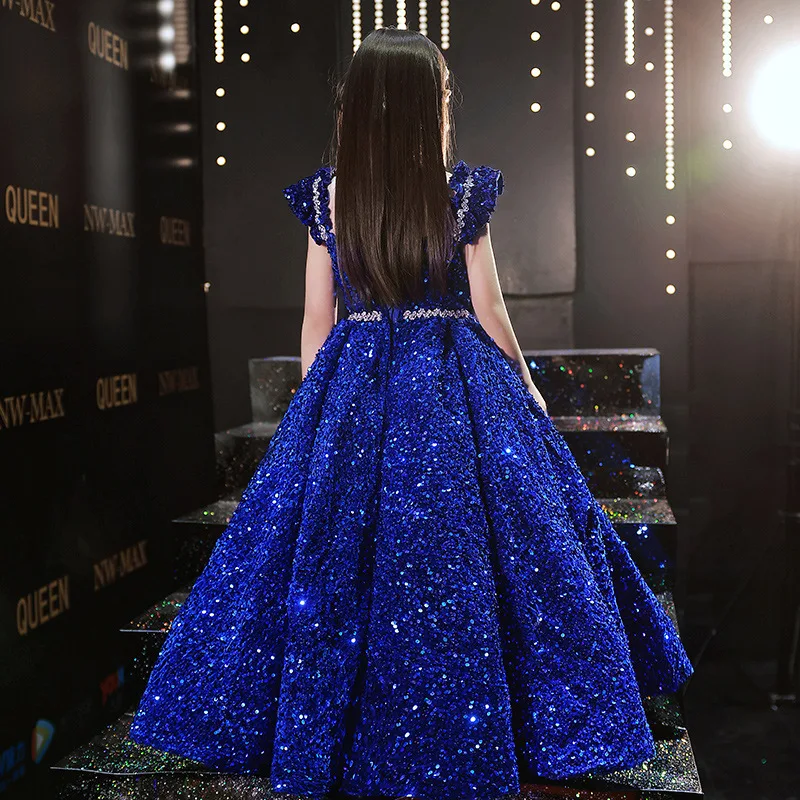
(409,314)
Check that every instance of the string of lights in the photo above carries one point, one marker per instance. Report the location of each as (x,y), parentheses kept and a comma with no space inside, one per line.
(588,47)
(356,12)
(669,94)
(630,32)
(219,33)
(727,38)
(402,22)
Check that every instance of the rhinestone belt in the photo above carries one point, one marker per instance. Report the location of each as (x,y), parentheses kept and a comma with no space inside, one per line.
(409,314)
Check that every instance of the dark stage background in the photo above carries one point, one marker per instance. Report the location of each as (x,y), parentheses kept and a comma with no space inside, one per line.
(105,395)
(625,222)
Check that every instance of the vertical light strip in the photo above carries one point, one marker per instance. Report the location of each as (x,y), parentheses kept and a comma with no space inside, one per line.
(423,17)
(630,32)
(219,33)
(378,14)
(727,39)
(183,42)
(669,92)
(356,24)
(445,24)
(401,14)
(588,26)
(167,34)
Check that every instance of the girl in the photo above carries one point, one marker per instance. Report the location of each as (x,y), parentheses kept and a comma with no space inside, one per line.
(418,595)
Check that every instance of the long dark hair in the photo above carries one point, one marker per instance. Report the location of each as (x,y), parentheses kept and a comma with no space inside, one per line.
(393,140)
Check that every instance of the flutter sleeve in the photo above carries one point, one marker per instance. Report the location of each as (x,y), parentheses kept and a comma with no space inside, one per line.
(481,190)
(309,201)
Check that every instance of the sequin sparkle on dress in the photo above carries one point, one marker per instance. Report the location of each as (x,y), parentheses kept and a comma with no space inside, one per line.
(418,594)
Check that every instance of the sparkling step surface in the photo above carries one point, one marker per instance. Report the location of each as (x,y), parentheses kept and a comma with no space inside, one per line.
(197,533)
(594,393)
(273,383)
(589,382)
(608,442)
(239,451)
(152,627)
(626,481)
(646,525)
(615,442)
(598,382)
(208,786)
(111,762)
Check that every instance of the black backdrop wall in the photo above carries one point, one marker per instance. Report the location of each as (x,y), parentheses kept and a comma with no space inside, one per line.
(105,401)
(275,111)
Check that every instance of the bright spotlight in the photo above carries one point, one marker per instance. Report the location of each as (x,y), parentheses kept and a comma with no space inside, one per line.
(775,99)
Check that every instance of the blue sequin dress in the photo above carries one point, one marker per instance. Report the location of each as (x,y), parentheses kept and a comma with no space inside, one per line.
(418,595)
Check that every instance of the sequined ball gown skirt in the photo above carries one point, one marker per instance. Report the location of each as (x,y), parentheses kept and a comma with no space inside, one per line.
(418,595)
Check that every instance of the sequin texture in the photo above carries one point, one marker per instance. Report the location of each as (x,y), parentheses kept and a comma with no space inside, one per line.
(418,594)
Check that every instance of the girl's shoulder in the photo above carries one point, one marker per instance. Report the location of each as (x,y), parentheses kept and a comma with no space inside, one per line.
(476,189)
(483,176)
(309,201)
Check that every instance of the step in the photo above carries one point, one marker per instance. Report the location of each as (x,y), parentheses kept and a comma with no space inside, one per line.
(153,625)
(598,382)
(196,533)
(606,404)
(239,451)
(84,785)
(672,773)
(82,778)
(235,787)
(151,628)
(157,620)
(111,765)
(273,383)
(647,526)
(216,786)
(615,441)
(588,382)
(627,480)
(612,442)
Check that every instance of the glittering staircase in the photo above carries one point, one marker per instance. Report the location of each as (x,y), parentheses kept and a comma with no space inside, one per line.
(606,403)
(273,382)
